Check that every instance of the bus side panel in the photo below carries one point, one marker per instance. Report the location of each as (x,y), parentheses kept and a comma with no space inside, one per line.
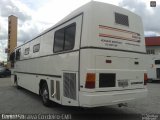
(27,81)
(56,68)
(70,76)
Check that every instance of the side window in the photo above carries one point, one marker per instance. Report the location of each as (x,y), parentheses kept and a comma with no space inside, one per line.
(59,40)
(12,60)
(18,53)
(64,38)
(70,37)
(36,48)
(26,52)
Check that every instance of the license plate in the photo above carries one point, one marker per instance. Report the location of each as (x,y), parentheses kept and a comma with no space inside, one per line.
(123,83)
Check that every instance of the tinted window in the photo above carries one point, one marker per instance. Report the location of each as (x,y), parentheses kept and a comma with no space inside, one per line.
(157,61)
(26,52)
(69,37)
(65,38)
(18,53)
(59,40)
(36,48)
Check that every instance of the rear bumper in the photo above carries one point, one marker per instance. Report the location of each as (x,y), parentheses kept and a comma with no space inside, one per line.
(96,99)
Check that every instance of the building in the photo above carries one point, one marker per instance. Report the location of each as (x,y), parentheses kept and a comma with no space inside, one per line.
(153,45)
(153,58)
(12,35)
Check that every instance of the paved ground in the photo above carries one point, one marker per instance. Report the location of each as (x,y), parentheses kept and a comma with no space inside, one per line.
(22,101)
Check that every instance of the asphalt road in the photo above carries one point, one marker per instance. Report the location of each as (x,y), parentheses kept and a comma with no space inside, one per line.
(15,101)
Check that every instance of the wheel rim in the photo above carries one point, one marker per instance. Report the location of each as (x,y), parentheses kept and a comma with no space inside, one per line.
(45,95)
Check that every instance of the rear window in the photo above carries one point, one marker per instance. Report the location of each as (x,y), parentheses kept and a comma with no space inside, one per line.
(121,19)
(157,62)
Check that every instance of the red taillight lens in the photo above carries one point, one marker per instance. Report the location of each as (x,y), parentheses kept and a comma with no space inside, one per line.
(145,78)
(90,80)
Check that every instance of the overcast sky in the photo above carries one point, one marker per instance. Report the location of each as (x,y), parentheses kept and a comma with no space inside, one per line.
(34,16)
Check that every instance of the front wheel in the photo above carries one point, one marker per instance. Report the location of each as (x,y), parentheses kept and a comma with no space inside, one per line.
(45,95)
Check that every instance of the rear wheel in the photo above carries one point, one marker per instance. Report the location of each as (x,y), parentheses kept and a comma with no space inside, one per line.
(45,95)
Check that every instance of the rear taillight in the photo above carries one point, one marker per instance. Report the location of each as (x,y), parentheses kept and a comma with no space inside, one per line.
(90,80)
(145,78)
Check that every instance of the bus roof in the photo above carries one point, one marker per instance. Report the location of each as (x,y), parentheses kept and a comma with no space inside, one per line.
(85,8)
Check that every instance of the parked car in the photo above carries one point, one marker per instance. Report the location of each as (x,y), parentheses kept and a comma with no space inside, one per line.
(4,72)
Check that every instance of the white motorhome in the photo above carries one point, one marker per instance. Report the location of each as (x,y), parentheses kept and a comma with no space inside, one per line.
(153,70)
(93,57)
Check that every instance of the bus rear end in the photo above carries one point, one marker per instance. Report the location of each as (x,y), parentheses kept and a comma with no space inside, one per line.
(112,57)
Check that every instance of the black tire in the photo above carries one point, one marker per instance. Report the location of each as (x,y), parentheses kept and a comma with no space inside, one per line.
(45,95)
